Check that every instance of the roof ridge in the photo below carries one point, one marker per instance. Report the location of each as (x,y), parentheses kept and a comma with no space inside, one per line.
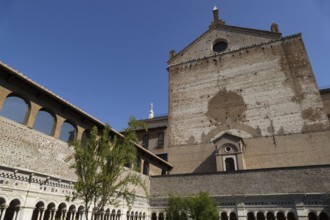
(242,48)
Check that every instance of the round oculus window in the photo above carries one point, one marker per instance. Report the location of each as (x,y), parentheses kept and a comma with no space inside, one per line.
(219,46)
(227,149)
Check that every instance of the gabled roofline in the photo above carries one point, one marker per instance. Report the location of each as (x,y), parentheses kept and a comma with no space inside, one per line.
(240,49)
(224,133)
(30,82)
(226,27)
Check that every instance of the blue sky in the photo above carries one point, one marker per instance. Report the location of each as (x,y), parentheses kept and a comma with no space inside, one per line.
(109,57)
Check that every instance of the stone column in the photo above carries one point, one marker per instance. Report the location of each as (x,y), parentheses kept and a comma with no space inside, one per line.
(38,216)
(32,115)
(16,214)
(3,212)
(57,129)
(90,215)
(74,215)
(65,214)
(42,214)
(3,94)
(79,133)
(52,216)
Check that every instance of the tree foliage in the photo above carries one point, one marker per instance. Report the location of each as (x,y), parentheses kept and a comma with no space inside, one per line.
(100,167)
(199,207)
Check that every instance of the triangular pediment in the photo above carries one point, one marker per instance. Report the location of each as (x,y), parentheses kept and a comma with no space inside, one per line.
(235,38)
(224,139)
(227,136)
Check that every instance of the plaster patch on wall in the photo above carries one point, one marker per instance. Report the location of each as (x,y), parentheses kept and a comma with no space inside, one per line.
(226,109)
(226,104)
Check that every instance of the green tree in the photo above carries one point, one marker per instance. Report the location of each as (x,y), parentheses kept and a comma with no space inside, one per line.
(176,208)
(199,207)
(100,167)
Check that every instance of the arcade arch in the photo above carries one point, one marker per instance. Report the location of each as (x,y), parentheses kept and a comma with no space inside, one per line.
(15,108)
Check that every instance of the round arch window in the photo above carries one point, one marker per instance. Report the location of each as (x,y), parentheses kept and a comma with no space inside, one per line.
(219,46)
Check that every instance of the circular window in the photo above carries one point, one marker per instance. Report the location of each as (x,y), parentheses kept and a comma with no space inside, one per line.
(228,149)
(219,46)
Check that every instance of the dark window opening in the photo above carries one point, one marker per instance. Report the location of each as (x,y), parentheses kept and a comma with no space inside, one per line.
(260,216)
(160,142)
(270,216)
(162,156)
(291,216)
(146,168)
(230,164)
(138,163)
(280,216)
(232,216)
(145,141)
(250,216)
(219,46)
(323,216)
(224,216)
(14,207)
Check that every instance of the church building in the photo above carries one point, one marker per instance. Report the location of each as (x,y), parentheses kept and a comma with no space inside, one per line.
(246,123)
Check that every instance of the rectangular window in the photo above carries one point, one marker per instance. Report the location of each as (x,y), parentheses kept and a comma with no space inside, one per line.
(163,156)
(229,163)
(160,142)
(145,140)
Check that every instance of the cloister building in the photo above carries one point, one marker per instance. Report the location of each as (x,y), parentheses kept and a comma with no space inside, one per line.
(246,123)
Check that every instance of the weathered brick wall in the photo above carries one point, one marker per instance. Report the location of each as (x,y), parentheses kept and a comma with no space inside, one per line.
(254,182)
(288,150)
(262,91)
(262,152)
